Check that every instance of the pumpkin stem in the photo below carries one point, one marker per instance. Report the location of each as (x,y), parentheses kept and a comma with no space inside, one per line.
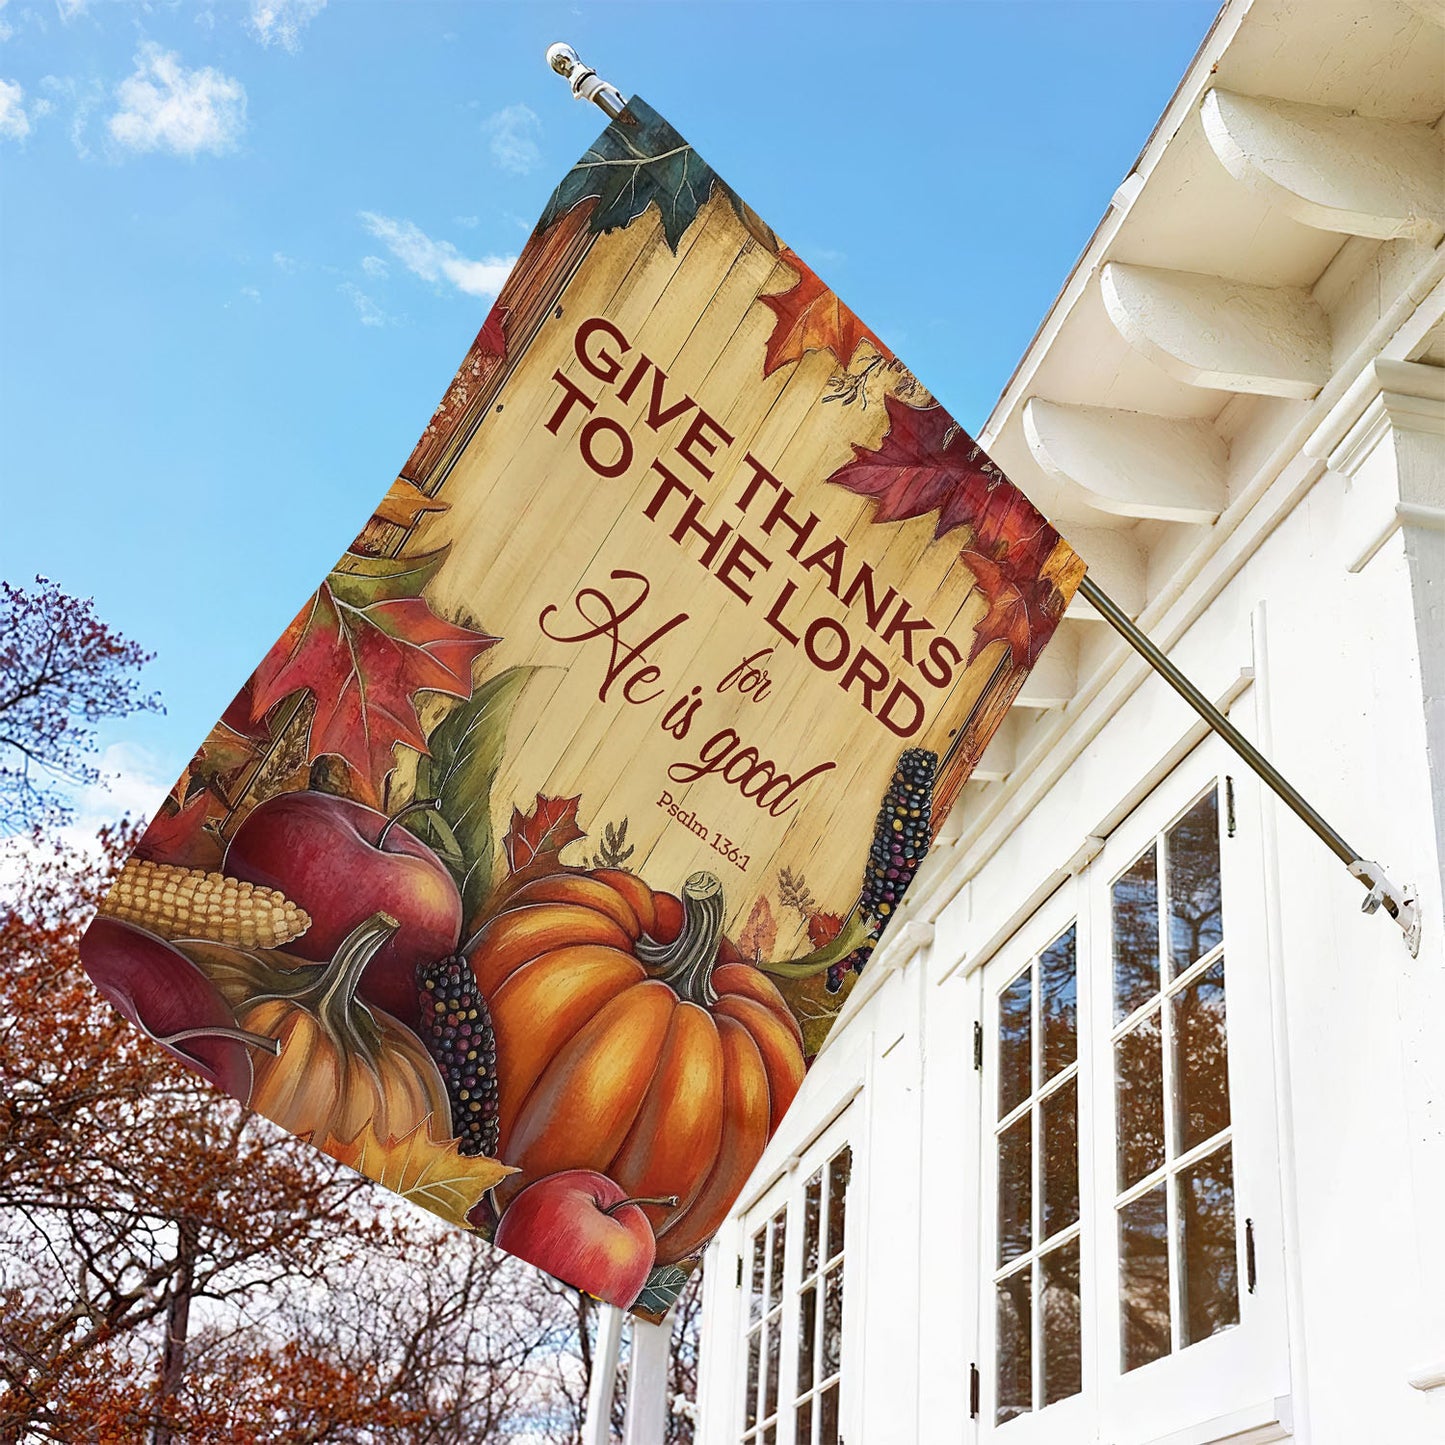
(335,990)
(686,964)
(671,1201)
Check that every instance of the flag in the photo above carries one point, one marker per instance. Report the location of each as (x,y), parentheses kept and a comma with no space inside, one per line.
(530,868)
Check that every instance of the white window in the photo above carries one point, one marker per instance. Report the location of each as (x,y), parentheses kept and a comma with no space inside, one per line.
(1036,1286)
(1132,1244)
(793,1276)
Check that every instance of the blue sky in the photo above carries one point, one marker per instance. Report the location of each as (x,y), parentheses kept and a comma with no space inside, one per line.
(243,246)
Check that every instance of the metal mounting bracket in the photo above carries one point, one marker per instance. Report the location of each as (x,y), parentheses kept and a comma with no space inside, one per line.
(1399,900)
(585,82)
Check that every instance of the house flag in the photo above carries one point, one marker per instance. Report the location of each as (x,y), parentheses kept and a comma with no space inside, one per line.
(531,866)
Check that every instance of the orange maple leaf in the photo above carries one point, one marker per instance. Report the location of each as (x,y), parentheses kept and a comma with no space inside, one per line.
(546,830)
(1025,624)
(404,502)
(811,318)
(436,1176)
(823,928)
(760,932)
(363,667)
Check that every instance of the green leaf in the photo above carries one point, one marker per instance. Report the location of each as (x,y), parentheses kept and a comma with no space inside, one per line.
(465,753)
(637,162)
(660,1292)
(360,580)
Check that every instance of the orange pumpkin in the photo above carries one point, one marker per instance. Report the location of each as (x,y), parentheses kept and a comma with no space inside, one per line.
(625,1046)
(341,1064)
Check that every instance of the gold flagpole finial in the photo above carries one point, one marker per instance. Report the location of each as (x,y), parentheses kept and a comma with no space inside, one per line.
(585,82)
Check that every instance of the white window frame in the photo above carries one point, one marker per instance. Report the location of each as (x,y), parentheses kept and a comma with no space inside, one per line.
(1066,1420)
(789,1192)
(1240,1367)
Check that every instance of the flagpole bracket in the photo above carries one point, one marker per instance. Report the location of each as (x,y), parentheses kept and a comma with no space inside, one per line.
(585,82)
(1399,902)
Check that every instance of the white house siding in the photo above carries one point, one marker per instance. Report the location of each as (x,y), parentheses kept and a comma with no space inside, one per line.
(1312,608)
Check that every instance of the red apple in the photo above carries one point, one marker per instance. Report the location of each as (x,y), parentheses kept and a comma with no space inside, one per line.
(160,989)
(341,862)
(581,1227)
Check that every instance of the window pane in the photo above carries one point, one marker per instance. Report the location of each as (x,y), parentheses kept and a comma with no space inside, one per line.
(1201,1059)
(807,1329)
(803,1434)
(1206,1250)
(832,1322)
(1015,1066)
(840,1169)
(1195,921)
(1015,1199)
(1136,936)
(1139,1100)
(812,1210)
(1063,1372)
(1144,1280)
(770,1380)
(755,1293)
(828,1417)
(1015,1347)
(770,1435)
(775,1267)
(1058,1004)
(1060,1145)
(752,1386)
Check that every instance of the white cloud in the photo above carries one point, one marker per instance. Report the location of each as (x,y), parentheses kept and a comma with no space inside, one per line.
(133,782)
(6,29)
(514,131)
(14,123)
(367,310)
(374,267)
(438,260)
(164,106)
(281,22)
(69,9)
(83,99)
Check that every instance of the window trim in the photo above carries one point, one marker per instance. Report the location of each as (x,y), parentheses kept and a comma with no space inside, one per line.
(1065,1419)
(787,1189)
(1246,1362)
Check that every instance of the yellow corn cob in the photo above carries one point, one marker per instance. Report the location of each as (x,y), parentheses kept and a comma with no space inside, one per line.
(191,903)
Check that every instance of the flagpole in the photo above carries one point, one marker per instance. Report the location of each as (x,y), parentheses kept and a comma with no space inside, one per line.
(1399,902)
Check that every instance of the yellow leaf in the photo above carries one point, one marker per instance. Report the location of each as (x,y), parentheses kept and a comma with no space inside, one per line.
(404,503)
(435,1176)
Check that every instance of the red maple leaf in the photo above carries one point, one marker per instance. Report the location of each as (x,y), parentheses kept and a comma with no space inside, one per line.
(823,928)
(546,830)
(927,462)
(181,835)
(240,715)
(811,318)
(363,667)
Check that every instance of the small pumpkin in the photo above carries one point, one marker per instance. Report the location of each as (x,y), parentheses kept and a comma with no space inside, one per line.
(628,1045)
(341,1064)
